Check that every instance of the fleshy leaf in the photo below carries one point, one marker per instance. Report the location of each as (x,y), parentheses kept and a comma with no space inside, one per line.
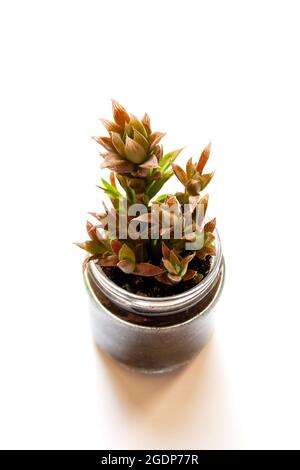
(203,158)
(181,175)
(206,250)
(146,123)
(190,168)
(155,186)
(168,159)
(165,251)
(118,143)
(110,260)
(163,278)
(190,274)
(169,266)
(93,247)
(126,266)
(116,245)
(114,163)
(193,187)
(134,151)
(152,162)
(210,226)
(174,279)
(105,142)
(205,179)
(120,114)
(140,139)
(147,269)
(111,126)
(112,179)
(155,138)
(204,201)
(126,253)
(136,124)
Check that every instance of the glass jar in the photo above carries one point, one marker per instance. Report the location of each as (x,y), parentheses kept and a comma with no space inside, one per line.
(153,334)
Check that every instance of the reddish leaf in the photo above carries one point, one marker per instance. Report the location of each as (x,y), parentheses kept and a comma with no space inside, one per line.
(112,179)
(179,173)
(163,278)
(165,251)
(190,168)
(173,278)
(203,158)
(147,269)
(91,230)
(116,245)
(210,226)
(140,172)
(152,162)
(110,260)
(188,259)
(126,266)
(193,187)
(155,138)
(120,114)
(105,142)
(146,123)
(189,275)
(114,163)
(111,126)
(155,176)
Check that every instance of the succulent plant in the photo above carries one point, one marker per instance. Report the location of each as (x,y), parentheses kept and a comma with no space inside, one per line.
(193,179)
(138,171)
(176,267)
(134,151)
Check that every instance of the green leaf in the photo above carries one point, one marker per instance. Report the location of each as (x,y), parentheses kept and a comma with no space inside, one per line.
(130,192)
(168,159)
(205,179)
(162,197)
(110,190)
(93,247)
(156,186)
(126,253)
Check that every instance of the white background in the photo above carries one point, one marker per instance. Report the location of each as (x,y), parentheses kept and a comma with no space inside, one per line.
(221,71)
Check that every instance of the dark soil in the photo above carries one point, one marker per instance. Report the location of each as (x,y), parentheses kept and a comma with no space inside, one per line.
(150,287)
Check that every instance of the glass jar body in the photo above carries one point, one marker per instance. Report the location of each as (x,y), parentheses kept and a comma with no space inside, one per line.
(153,335)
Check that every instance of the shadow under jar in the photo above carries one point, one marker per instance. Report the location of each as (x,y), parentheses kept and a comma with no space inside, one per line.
(153,334)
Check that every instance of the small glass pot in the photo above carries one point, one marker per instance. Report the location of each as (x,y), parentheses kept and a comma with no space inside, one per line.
(153,334)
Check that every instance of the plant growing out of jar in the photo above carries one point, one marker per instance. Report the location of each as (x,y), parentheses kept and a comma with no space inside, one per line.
(154,267)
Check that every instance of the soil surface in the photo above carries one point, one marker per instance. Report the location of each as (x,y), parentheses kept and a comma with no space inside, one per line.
(150,287)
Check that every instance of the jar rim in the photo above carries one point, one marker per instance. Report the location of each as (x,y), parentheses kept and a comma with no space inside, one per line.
(157,305)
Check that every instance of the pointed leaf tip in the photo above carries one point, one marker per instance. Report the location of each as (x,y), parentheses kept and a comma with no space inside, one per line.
(203,158)
(120,114)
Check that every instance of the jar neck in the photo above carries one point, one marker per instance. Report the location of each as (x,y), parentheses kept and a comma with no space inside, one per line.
(153,306)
